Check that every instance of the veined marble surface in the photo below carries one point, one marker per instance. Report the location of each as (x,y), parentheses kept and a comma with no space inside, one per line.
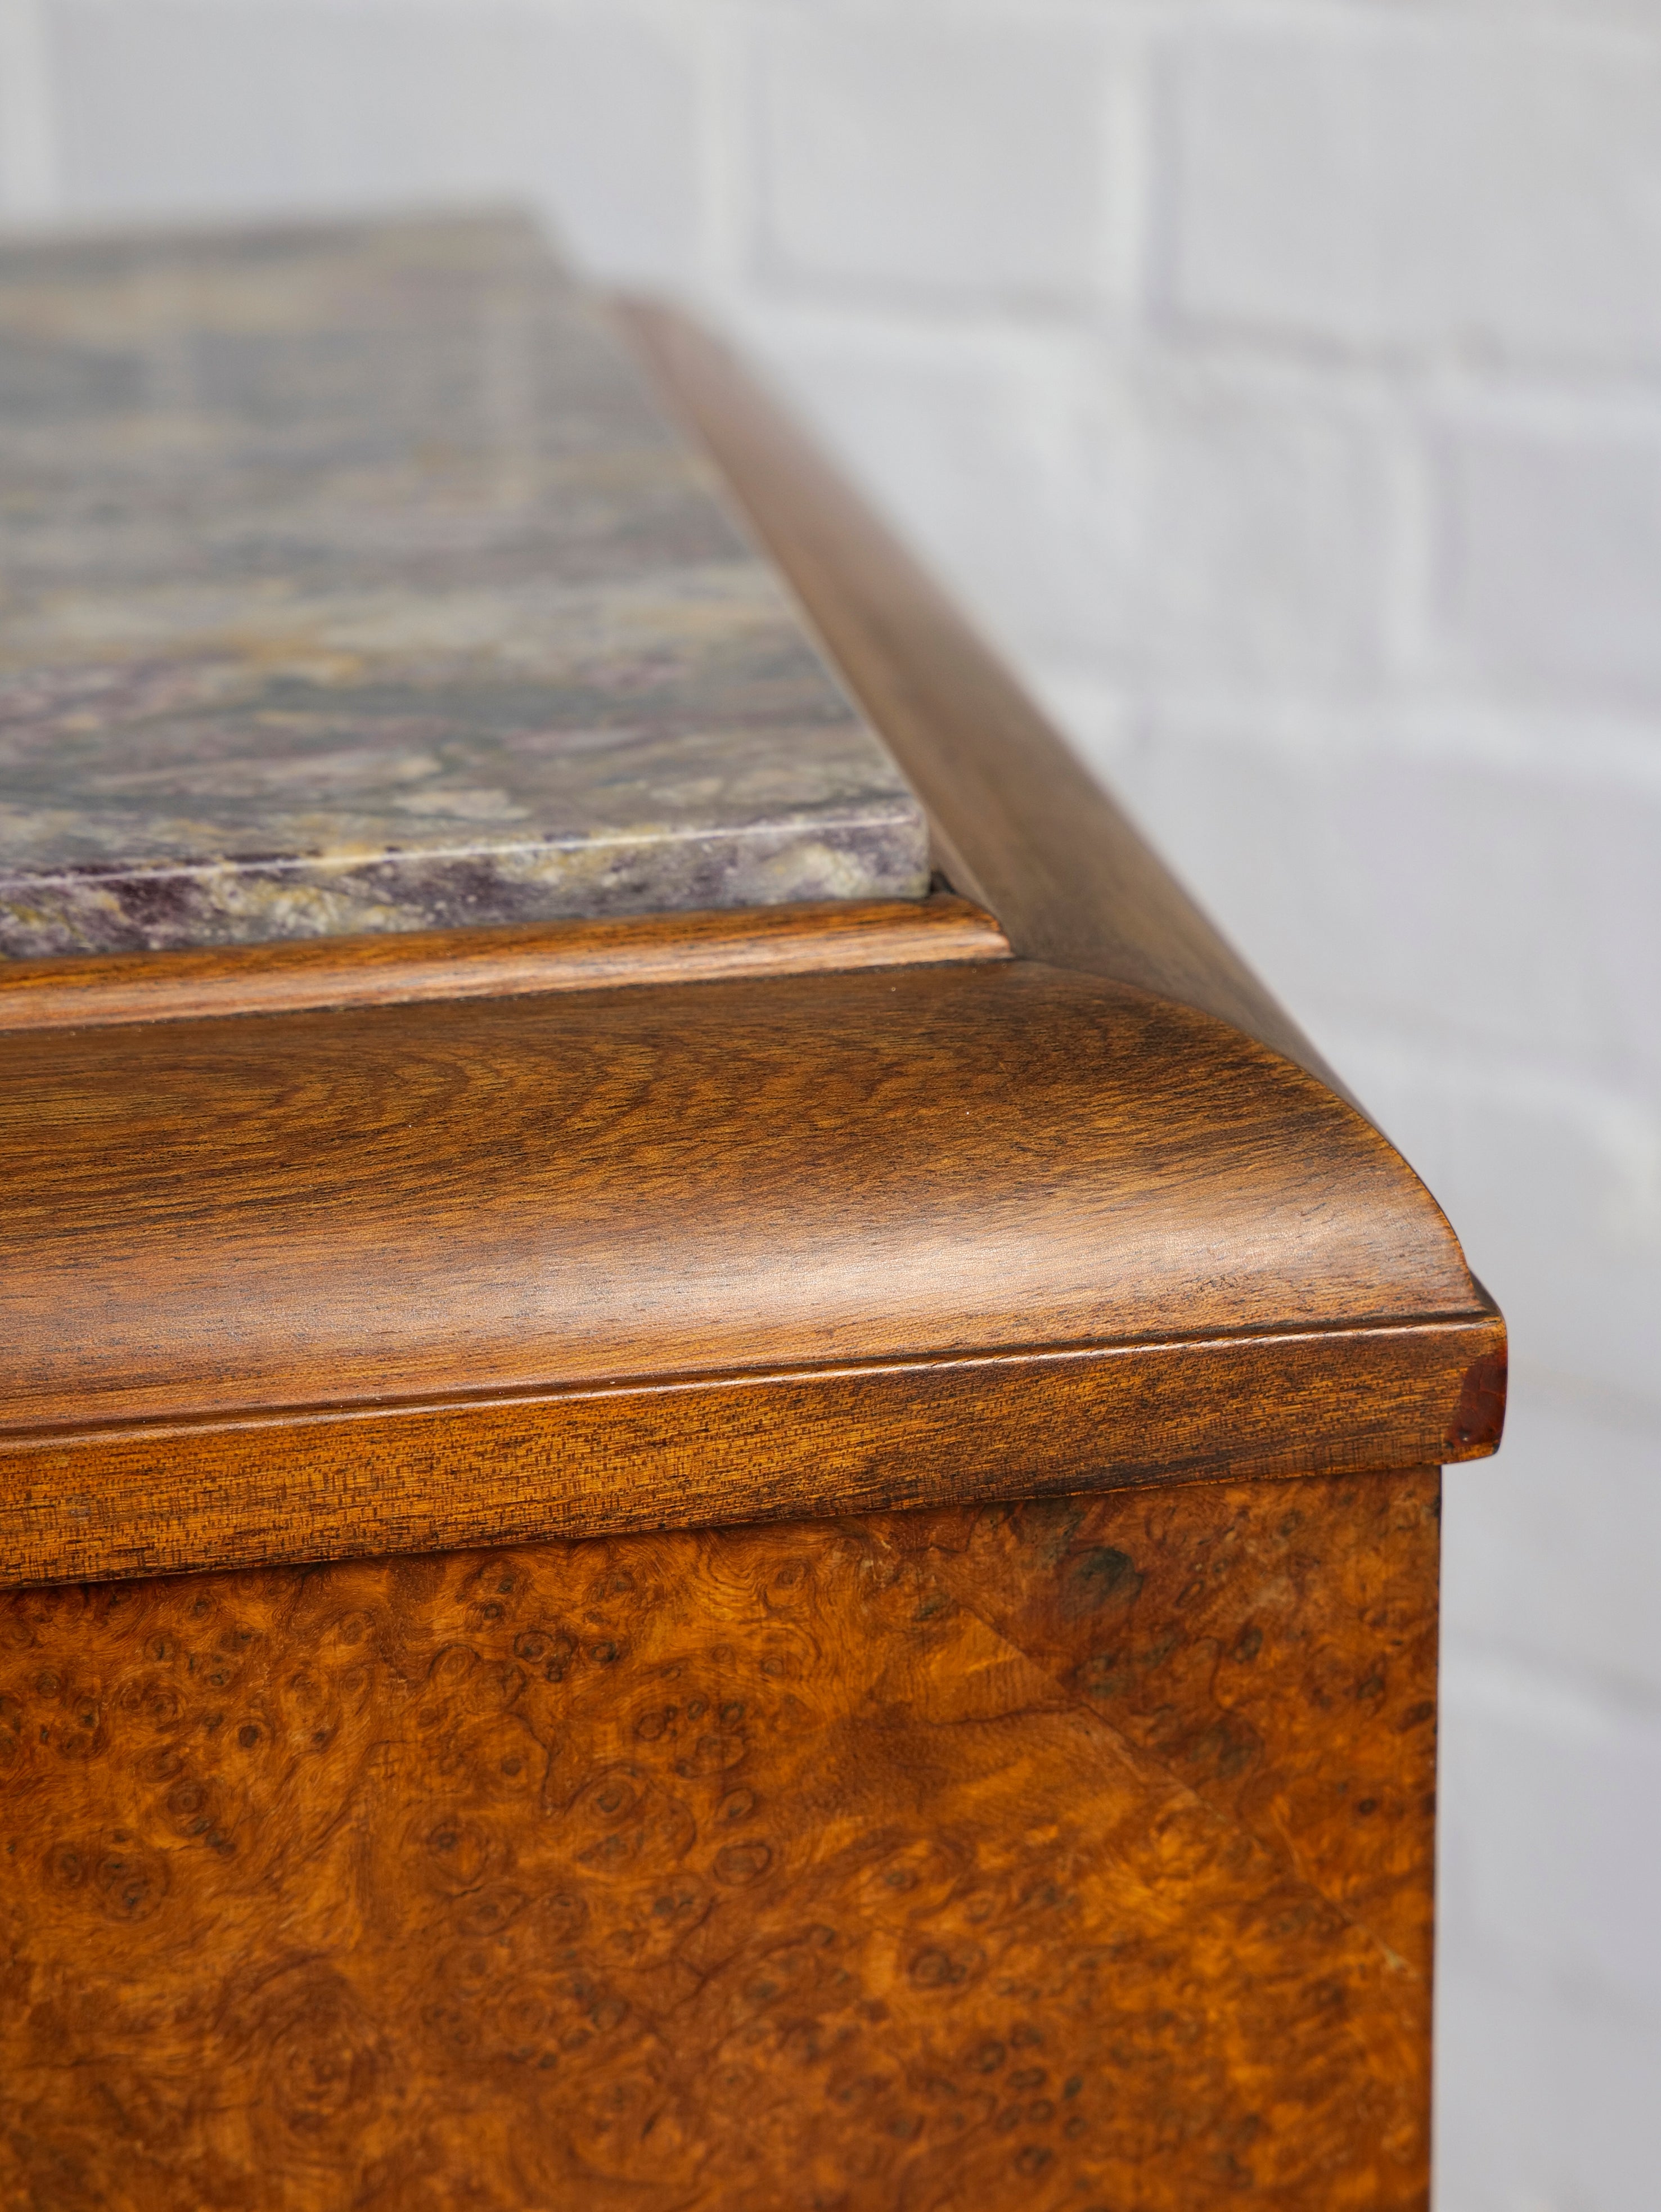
(349,580)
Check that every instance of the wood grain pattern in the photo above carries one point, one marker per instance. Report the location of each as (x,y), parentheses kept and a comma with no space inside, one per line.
(1063,1841)
(403,967)
(417,1201)
(931,1864)
(1198,1628)
(333,1485)
(521,1265)
(1021,826)
(586,1259)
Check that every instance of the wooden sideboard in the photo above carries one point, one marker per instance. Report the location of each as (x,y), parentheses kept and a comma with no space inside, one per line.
(772,1554)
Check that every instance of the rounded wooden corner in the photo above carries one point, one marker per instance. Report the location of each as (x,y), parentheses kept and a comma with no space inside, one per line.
(930,1160)
(404,1264)
(564,1262)
(1019,822)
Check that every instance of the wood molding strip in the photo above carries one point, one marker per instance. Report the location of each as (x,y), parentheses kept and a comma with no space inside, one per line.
(388,1276)
(414,1202)
(352,1482)
(1019,822)
(100,991)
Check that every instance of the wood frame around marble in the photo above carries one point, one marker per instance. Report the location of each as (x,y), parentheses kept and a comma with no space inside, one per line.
(382,1275)
(1020,824)
(405,967)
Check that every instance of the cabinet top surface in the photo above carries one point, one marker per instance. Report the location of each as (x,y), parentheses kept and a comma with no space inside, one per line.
(353,582)
(356,584)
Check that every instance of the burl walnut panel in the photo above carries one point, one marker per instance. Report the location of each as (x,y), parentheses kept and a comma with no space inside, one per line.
(1052,1858)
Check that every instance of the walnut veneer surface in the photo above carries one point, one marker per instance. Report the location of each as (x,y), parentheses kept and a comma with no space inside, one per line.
(1073,1856)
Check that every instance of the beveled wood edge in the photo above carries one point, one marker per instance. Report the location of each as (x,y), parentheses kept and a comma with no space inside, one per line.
(212,1218)
(1019,823)
(788,1445)
(1023,828)
(311,975)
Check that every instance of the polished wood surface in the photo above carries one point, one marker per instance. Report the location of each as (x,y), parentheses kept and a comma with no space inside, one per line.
(1062,1855)
(1020,824)
(946,1722)
(785,1234)
(404,967)
(333,1484)
(307,1210)
(521,1263)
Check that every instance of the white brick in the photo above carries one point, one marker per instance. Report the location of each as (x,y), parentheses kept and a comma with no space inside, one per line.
(955,155)
(1545,1790)
(964,446)
(1422,182)
(1254,531)
(1511,903)
(1161,522)
(1551,1550)
(1544,2103)
(174,106)
(1554,1185)
(29,136)
(1548,555)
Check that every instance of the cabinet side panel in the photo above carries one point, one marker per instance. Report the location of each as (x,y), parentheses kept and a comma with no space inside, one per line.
(938,1861)
(1272,1649)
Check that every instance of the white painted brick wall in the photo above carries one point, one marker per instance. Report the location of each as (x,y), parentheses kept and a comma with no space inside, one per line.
(1394,180)
(1282,380)
(935,157)
(187,105)
(1546,550)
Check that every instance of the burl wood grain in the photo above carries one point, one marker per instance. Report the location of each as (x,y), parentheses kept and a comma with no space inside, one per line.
(1057,1857)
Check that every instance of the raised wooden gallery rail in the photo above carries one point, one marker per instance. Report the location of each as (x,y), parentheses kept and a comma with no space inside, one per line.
(780,1556)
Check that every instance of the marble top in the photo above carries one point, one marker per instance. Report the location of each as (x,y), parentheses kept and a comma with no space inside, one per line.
(351,580)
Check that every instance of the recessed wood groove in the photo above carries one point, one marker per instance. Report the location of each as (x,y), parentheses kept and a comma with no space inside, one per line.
(312,974)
